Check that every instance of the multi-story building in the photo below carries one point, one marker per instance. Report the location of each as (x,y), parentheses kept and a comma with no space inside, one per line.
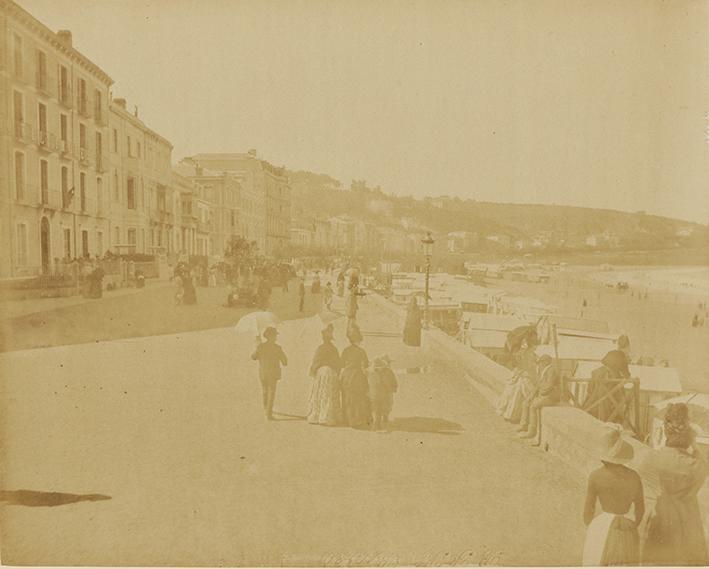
(223,192)
(143,203)
(265,187)
(192,237)
(53,154)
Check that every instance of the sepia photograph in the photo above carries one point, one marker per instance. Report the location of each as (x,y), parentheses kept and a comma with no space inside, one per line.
(354,283)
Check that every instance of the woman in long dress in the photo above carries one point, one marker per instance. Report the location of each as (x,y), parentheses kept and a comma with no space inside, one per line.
(190,294)
(412,328)
(612,537)
(675,535)
(325,406)
(355,387)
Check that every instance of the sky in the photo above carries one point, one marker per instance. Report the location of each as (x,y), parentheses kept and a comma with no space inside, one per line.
(597,103)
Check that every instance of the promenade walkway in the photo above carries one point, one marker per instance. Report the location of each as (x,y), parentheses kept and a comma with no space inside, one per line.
(169,429)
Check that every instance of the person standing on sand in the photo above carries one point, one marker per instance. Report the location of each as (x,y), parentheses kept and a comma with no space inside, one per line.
(612,537)
(270,357)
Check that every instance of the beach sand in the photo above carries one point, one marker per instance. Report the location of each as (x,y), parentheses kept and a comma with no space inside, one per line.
(659,326)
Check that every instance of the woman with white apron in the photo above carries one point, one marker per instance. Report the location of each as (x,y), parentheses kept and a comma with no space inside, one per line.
(612,536)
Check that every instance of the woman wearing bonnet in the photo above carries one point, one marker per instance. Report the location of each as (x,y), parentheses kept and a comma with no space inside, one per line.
(675,535)
(612,536)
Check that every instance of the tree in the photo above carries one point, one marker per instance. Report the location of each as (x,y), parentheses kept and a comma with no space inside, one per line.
(240,253)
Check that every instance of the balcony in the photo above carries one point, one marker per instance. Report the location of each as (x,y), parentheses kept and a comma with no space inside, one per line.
(47,141)
(64,149)
(83,156)
(84,109)
(65,96)
(24,132)
(100,117)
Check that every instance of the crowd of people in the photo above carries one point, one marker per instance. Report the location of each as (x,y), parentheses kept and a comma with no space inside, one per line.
(674,533)
(346,389)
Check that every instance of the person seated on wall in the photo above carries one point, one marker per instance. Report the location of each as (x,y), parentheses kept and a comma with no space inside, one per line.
(547,394)
(521,385)
(614,366)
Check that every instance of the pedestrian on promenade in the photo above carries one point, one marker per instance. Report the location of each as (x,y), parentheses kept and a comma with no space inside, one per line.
(675,535)
(328,295)
(324,404)
(599,401)
(341,284)
(301,295)
(412,327)
(270,357)
(352,307)
(612,537)
(382,386)
(355,397)
(315,287)
(547,394)
(190,294)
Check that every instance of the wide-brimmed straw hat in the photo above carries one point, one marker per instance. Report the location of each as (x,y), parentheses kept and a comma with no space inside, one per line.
(614,448)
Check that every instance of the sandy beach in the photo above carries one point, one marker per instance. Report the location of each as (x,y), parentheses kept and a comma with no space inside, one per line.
(659,325)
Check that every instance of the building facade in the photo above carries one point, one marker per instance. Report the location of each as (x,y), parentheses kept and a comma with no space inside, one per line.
(143,201)
(265,194)
(53,153)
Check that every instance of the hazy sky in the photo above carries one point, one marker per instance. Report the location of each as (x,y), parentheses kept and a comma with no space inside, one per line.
(594,103)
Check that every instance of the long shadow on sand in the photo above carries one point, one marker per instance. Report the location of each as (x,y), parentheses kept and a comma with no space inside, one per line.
(425,425)
(34,499)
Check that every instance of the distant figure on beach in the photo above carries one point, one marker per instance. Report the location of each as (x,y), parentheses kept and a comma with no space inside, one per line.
(341,284)
(584,303)
(412,327)
(612,537)
(382,387)
(675,535)
(270,357)
(324,405)
(695,320)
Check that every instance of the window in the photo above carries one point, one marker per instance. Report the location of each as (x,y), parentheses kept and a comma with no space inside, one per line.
(82,138)
(41,70)
(82,190)
(42,116)
(131,193)
(99,151)
(116,187)
(115,140)
(99,199)
(64,91)
(19,112)
(132,237)
(98,104)
(17,53)
(64,130)
(44,180)
(84,243)
(19,175)
(66,197)
(138,147)
(83,107)
(67,243)
(21,244)
(128,148)
(116,235)
(99,242)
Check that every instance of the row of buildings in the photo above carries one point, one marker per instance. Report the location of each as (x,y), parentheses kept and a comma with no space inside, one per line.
(81,174)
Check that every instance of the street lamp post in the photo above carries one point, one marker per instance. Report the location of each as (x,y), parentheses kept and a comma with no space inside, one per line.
(427,243)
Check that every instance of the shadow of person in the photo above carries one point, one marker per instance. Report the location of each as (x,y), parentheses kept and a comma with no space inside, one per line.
(33,498)
(425,425)
(286,417)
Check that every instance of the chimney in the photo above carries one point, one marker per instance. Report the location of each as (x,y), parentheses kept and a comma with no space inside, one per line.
(64,37)
(252,153)
(120,102)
